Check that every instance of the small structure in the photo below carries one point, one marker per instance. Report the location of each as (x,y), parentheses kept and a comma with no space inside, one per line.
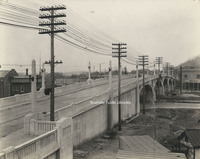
(5,85)
(11,83)
(142,147)
(190,141)
(22,84)
(191,78)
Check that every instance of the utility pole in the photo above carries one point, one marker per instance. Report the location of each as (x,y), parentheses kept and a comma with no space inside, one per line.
(143,61)
(110,114)
(52,22)
(171,67)
(181,79)
(159,61)
(100,68)
(167,68)
(93,68)
(120,53)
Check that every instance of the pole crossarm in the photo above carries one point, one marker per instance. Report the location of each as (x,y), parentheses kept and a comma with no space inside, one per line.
(46,31)
(55,62)
(56,7)
(47,16)
(54,23)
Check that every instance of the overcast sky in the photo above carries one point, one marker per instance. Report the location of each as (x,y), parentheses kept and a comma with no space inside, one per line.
(167,28)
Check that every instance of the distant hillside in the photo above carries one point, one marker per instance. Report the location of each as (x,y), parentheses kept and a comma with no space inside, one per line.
(193,62)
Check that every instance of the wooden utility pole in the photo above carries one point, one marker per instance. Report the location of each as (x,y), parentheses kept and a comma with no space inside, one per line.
(143,61)
(52,22)
(159,61)
(120,53)
(167,68)
(181,79)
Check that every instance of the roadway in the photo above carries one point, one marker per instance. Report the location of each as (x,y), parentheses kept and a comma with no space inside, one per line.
(67,99)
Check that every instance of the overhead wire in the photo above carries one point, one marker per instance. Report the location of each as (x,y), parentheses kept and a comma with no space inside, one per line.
(79,30)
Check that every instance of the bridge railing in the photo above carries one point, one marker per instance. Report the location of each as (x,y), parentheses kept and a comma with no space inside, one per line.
(56,135)
(39,146)
(90,102)
(39,127)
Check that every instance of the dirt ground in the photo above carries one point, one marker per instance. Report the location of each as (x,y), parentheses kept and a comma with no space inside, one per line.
(169,124)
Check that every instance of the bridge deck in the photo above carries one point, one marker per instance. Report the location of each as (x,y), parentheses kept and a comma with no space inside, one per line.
(15,138)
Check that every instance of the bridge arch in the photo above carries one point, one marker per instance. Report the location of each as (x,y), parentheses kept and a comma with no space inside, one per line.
(165,84)
(150,95)
(170,84)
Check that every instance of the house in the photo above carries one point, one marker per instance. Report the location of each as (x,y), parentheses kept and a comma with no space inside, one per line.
(22,84)
(5,78)
(191,78)
(190,141)
(11,83)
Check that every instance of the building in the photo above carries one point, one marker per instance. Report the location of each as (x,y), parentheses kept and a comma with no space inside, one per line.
(5,81)
(12,83)
(22,84)
(189,142)
(191,78)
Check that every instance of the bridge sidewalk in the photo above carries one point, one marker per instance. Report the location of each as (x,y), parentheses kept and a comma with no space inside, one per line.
(15,138)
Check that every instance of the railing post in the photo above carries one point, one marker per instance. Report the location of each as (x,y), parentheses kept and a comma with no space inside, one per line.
(65,129)
(33,88)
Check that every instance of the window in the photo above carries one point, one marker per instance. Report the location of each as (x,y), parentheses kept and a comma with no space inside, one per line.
(198,76)
(22,88)
(185,76)
(13,88)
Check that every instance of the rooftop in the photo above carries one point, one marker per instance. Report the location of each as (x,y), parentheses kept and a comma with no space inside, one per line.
(148,155)
(193,136)
(11,72)
(141,143)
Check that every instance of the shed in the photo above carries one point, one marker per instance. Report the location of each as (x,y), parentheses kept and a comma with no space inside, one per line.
(144,147)
(190,139)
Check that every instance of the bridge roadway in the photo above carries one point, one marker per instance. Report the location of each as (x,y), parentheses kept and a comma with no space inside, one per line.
(79,95)
(60,101)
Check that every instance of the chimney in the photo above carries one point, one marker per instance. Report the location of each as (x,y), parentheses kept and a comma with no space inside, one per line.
(26,71)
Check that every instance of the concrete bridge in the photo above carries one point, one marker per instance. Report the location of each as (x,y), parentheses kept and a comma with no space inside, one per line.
(83,111)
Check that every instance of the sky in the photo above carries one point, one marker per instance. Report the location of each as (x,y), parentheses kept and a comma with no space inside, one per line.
(164,28)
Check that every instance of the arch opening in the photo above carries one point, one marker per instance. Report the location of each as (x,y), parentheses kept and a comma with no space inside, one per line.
(148,95)
(165,85)
(158,88)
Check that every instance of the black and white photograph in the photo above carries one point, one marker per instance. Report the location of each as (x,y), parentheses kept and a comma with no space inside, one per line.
(99,79)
